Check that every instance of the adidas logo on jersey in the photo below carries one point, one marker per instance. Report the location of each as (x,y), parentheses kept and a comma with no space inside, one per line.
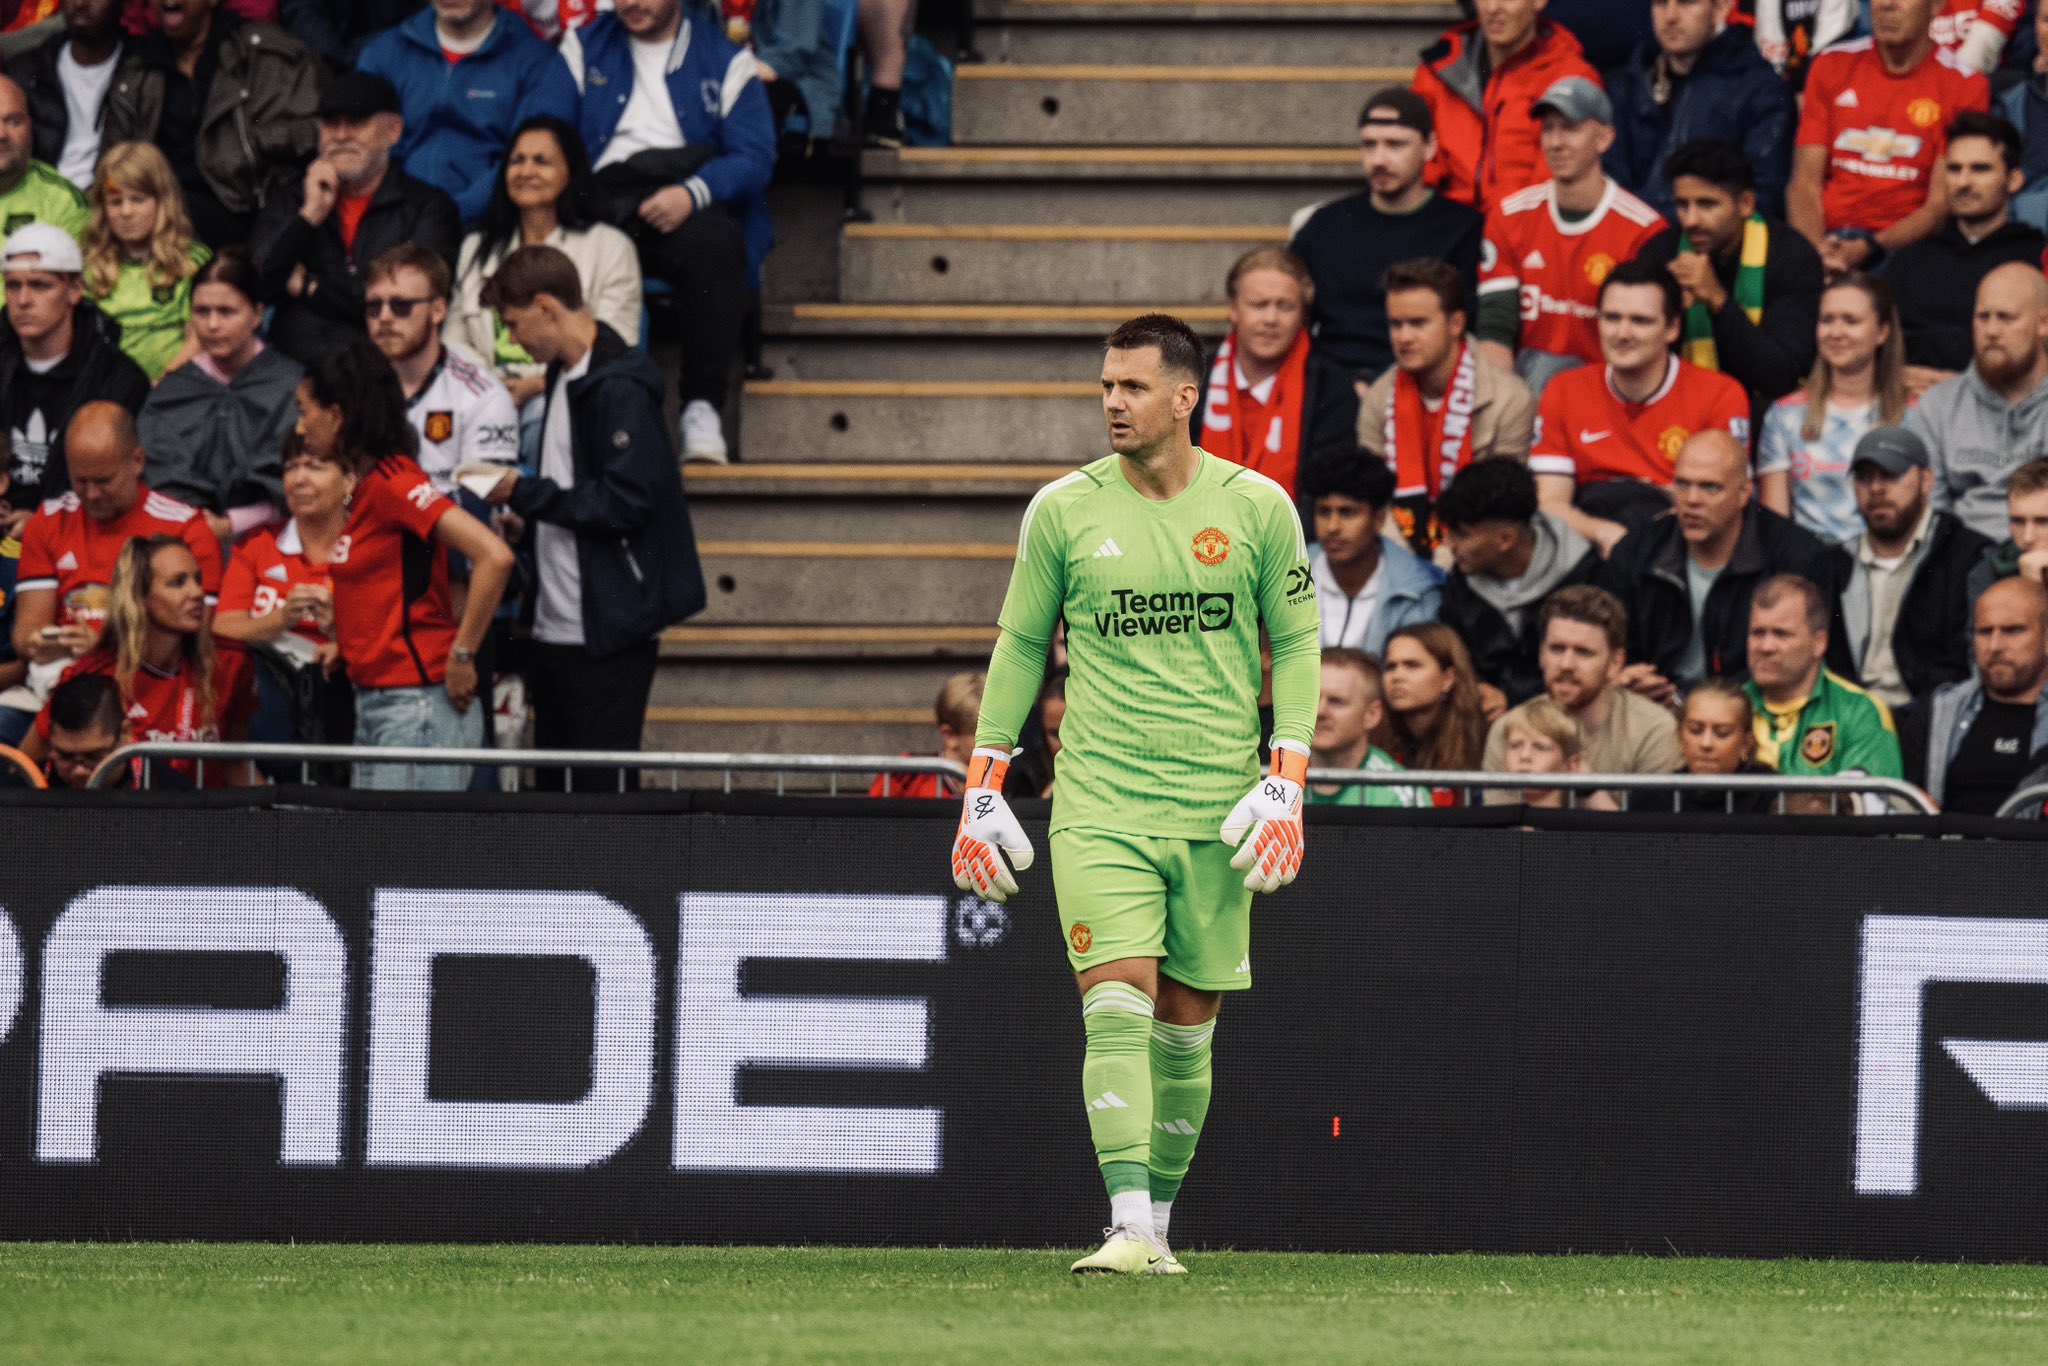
(1109,549)
(67,563)
(1109,1100)
(1534,261)
(1846,100)
(136,711)
(277,571)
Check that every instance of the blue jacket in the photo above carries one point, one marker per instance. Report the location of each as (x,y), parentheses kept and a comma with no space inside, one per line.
(1732,93)
(718,101)
(634,546)
(2018,106)
(459,118)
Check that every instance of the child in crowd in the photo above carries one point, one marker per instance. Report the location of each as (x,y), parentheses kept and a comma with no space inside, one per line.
(1543,737)
(957,710)
(140,256)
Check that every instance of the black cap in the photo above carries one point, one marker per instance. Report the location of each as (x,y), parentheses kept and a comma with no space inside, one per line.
(1894,450)
(1398,106)
(358,95)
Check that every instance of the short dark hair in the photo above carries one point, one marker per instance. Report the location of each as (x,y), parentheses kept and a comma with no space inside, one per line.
(360,382)
(1440,278)
(234,266)
(413,256)
(1640,272)
(1589,606)
(1773,590)
(1361,475)
(1180,350)
(1993,129)
(1717,161)
(1494,490)
(88,702)
(530,272)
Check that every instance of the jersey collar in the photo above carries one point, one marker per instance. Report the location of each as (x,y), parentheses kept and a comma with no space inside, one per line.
(1670,380)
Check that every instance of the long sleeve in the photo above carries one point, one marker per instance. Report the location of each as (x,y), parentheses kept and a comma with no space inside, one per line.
(1031,610)
(1287,607)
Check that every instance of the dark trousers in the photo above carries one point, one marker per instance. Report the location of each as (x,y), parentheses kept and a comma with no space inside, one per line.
(585,701)
(705,262)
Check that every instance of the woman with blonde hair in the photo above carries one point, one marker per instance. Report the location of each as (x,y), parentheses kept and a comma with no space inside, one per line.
(175,684)
(141,255)
(1858,382)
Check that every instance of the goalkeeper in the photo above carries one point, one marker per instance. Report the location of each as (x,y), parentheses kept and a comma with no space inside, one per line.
(1164,561)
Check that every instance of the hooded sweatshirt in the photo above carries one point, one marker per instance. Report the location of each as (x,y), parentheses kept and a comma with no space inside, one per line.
(1496,618)
(1975,440)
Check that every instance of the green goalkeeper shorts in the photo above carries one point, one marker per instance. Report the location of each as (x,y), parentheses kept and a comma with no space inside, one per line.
(1137,896)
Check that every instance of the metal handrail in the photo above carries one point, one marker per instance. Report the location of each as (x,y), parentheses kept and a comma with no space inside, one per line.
(2025,804)
(672,763)
(1778,784)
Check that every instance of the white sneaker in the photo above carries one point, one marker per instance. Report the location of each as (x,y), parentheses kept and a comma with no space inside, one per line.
(1127,1250)
(703,433)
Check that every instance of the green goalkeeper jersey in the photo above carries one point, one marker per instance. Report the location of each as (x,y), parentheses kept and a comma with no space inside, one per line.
(1163,602)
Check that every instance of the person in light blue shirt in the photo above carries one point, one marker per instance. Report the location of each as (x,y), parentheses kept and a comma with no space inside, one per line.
(1809,437)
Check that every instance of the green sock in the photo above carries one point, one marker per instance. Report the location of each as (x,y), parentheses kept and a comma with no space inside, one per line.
(1180,1101)
(1116,1077)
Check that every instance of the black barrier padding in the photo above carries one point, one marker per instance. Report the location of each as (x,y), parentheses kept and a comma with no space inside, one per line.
(1465,1034)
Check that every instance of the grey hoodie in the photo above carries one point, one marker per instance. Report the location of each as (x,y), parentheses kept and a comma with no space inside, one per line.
(1976,440)
(1559,548)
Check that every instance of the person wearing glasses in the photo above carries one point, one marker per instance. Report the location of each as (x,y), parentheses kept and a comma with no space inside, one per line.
(214,428)
(314,238)
(86,725)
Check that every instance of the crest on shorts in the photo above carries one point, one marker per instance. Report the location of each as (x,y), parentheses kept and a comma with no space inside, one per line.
(440,426)
(1211,546)
(1817,746)
(1080,937)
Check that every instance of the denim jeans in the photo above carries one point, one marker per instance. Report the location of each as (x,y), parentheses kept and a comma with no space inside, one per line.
(416,717)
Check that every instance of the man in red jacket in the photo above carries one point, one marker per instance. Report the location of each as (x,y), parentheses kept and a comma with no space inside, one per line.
(1482,80)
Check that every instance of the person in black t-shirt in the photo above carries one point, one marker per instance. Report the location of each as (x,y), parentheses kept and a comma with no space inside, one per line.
(1972,743)
(1349,243)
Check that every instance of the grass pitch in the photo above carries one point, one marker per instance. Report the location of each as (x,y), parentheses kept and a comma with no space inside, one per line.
(233,1303)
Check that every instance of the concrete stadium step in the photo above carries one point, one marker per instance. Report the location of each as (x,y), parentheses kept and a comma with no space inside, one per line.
(1181,105)
(1119,164)
(976,322)
(1434,15)
(1191,42)
(786,516)
(807,644)
(811,582)
(741,728)
(1085,202)
(815,479)
(1031,263)
(954,422)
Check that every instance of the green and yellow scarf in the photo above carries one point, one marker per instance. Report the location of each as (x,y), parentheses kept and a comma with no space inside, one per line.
(1699,345)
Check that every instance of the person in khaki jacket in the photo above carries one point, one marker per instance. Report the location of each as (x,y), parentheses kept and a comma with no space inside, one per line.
(1439,407)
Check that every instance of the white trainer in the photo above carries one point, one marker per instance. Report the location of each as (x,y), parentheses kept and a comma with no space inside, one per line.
(1127,1250)
(703,433)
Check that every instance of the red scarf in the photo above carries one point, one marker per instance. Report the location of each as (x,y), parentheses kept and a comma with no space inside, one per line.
(1228,418)
(1414,433)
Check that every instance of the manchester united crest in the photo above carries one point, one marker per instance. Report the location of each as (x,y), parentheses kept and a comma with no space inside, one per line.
(1211,546)
(440,426)
(1670,439)
(1598,266)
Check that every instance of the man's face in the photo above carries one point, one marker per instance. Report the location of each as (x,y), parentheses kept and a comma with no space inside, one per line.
(1683,27)
(1507,22)
(1577,662)
(1891,504)
(1422,334)
(1711,216)
(107,482)
(1479,550)
(360,149)
(1634,333)
(1142,400)
(1268,313)
(1349,709)
(403,315)
(1346,527)
(1572,150)
(2008,328)
(1393,156)
(646,18)
(1783,648)
(183,20)
(536,328)
(91,18)
(39,302)
(457,13)
(2010,645)
(17,134)
(1979,182)
(75,754)
(1709,489)
(2027,515)
(1901,23)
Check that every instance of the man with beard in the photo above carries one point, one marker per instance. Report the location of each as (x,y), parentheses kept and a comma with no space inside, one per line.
(1350,243)
(1905,596)
(1991,419)
(1585,634)
(1976,740)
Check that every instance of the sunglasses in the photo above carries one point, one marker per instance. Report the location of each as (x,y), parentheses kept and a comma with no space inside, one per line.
(400,308)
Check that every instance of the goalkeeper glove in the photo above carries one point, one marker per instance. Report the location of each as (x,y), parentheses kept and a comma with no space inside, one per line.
(1271,812)
(986,827)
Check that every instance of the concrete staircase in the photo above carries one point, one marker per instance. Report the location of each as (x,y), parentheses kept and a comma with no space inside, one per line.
(935,363)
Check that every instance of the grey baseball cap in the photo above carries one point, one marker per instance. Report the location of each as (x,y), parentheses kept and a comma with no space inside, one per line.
(1892,449)
(1578,99)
